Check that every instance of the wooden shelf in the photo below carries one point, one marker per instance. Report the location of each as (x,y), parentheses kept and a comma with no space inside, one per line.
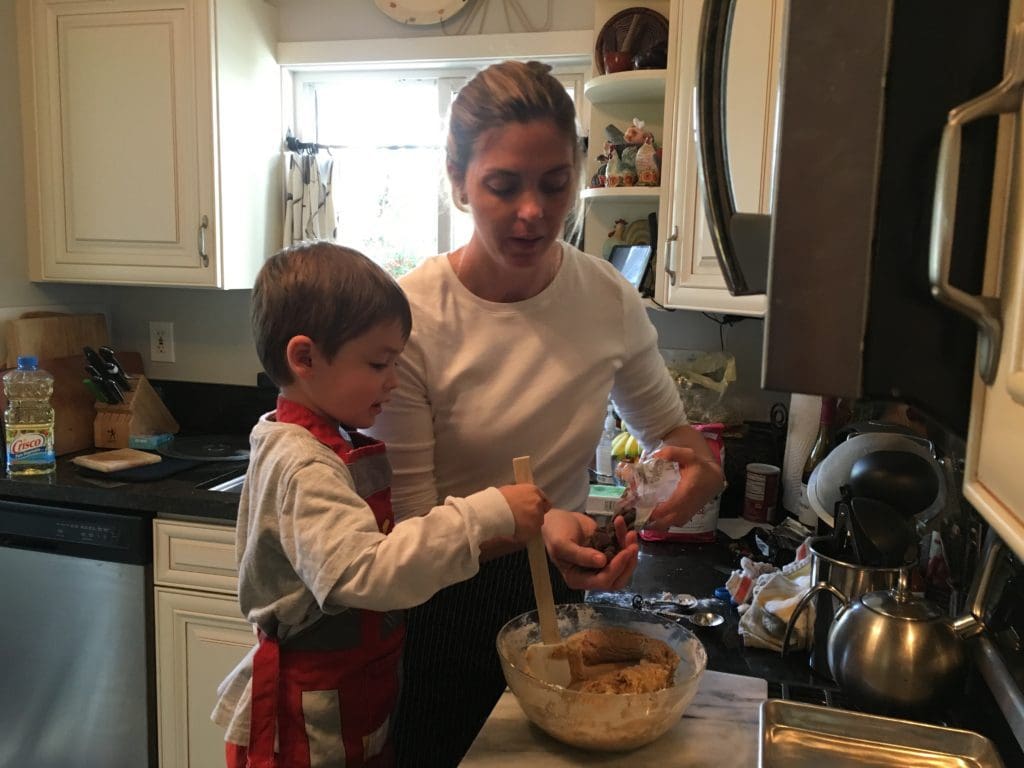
(639,85)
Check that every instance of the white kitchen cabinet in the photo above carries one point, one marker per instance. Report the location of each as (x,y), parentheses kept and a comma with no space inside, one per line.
(152,137)
(200,637)
(687,274)
(994,480)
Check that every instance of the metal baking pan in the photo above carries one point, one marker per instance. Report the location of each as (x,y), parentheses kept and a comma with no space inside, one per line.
(795,734)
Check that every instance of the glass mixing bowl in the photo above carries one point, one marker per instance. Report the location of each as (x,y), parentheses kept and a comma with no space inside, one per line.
(601,721)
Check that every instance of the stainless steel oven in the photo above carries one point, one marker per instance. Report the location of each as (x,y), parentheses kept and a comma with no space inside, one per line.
(76,638)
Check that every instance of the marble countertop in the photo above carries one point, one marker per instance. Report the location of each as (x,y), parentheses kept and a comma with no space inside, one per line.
(719,728)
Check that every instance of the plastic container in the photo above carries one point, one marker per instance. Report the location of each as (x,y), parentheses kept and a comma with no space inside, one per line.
(28,419)
(604,466)
(701,527)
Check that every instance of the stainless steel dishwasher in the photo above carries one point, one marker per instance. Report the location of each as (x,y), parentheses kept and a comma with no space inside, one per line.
(76,640)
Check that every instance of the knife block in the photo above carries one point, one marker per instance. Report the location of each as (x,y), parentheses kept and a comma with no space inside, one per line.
(141,413)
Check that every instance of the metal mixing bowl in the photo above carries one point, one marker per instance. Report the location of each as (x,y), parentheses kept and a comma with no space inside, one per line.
(607,722)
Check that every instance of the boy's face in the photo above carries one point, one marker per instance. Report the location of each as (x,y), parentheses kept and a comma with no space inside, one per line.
(353,387)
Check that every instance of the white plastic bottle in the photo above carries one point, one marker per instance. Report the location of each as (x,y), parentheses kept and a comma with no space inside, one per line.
(603,463)
(28,419)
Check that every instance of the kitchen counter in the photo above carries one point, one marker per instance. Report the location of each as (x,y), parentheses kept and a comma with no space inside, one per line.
(720,728)
(182,496)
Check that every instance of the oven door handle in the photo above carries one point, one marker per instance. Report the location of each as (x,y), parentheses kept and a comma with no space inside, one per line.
(741,240)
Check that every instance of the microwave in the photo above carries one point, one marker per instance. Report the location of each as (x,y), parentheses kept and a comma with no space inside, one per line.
(881,202)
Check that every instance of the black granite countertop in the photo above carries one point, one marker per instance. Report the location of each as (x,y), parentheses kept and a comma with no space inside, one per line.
(183,495)
(697,570)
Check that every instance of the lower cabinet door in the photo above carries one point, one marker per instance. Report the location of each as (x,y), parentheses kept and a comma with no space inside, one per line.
(199,640)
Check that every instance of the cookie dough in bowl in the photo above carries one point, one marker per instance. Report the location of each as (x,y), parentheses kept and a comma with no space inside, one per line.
(634,674)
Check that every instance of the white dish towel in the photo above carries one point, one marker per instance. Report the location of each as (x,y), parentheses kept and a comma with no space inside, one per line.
(772,599)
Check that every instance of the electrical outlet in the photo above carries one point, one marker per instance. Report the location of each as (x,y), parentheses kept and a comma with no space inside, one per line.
(161,341)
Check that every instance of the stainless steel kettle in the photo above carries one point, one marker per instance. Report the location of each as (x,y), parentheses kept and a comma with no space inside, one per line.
(894,651)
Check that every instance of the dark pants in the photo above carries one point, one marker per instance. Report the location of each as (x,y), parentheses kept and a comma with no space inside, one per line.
(453,677)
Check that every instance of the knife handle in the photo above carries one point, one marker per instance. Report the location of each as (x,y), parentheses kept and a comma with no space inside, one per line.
(113,368)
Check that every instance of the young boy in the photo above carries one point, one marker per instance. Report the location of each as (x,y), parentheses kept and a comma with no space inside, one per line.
(323,570)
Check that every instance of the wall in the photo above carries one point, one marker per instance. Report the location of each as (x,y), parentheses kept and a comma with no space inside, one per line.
(347,19)
(17,294)
(211,330)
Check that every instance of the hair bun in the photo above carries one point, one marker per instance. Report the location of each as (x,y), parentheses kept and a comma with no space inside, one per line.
(538,68)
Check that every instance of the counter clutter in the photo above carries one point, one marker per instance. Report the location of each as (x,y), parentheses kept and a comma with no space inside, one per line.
(746,674)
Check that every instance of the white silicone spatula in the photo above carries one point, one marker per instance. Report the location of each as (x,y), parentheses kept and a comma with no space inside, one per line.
(545,659)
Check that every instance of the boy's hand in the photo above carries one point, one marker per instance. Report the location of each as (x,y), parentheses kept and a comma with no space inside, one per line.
(529,505)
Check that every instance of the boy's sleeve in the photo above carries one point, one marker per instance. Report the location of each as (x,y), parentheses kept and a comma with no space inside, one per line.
(332,540)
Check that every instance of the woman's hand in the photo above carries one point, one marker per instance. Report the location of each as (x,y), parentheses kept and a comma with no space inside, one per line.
(582,567)
(700,478)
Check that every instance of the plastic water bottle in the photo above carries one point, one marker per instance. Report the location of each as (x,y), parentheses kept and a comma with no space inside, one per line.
(28,420)
(603,463)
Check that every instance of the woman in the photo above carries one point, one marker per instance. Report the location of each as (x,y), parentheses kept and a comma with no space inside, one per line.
(518,340)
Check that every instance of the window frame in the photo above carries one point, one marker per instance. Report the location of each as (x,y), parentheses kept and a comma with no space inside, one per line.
(451,69)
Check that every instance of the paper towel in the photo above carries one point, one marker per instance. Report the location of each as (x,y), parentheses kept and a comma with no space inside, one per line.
(801,430)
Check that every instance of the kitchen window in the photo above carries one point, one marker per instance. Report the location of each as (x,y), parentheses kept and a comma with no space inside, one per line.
(386,131)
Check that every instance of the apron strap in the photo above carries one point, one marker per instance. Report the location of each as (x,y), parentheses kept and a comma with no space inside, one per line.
(266,673)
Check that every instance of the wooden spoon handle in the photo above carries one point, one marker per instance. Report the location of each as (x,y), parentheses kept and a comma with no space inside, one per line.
(539,566)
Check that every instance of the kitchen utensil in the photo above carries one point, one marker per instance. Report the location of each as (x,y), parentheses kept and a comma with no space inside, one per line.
(632,30)
(207,447)
(880,535)
(823,488)
(907,481)
(112,393)
(699,619)
(674,610)
(834,582)
(601,721)
(113,461)
(798,735)
(617,61)
(141,413)
(113,368)
(546,659)
(51,334)
(895,651)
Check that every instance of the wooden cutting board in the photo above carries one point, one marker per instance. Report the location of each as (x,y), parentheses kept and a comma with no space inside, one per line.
(114,461)
(50,335)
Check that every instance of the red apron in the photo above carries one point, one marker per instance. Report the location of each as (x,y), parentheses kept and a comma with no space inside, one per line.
(329,693)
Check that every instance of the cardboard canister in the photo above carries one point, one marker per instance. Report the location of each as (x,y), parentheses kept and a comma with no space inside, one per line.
(761,493)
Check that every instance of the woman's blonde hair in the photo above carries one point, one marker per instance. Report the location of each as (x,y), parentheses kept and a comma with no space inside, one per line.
(508,92)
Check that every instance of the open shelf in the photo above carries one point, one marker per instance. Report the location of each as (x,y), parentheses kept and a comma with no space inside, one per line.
(639,85)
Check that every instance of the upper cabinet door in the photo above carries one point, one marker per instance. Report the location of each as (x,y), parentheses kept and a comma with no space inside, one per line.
(993,480)
(689,276)
(152,140)
(110,103)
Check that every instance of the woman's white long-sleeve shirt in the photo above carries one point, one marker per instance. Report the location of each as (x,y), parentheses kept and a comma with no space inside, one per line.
(481,383)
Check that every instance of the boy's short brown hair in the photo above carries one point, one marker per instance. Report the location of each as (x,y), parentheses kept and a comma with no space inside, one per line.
(325,291)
